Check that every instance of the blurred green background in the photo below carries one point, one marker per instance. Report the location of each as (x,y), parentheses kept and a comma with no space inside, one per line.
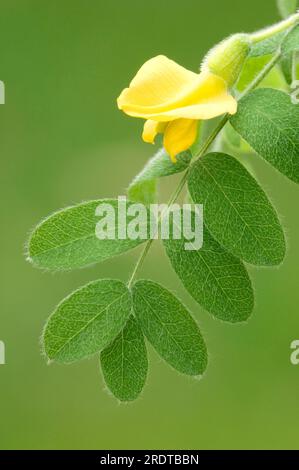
(64,141)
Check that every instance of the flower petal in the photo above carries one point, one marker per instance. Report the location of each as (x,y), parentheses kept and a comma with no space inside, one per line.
(163,91)
(157,83)
(217,106)
(151,129)
(179,135)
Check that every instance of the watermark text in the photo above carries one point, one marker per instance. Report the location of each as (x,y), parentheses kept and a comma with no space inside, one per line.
(135,221)
(2,92)
(2,353)
(295,352)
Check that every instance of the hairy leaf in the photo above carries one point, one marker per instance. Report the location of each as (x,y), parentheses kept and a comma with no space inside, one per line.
(291,41)
(87,321)
(251,68)
(237,212)
(287,40)
(216,279)
(169,327)
(143,187)
(286,65)
(269,45)
(124,362)
(67,239)
(269,122)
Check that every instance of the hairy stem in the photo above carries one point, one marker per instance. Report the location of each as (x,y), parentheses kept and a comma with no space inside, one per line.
(205,146)
(274,29)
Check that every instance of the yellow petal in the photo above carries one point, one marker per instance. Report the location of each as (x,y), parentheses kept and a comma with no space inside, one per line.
(158,83)
(217,106)
(151,129)
(179,135)
(163,91)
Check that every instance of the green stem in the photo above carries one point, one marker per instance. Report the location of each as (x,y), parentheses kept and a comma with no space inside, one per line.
(140,262)
(205,146)
(212,137)
(172,199)
(276,28)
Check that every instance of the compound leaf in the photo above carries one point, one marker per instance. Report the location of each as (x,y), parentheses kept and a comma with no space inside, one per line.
(169,327)
(67,239)
(216,279)
(87,321)
(269,121)
(124,362)
(237,212)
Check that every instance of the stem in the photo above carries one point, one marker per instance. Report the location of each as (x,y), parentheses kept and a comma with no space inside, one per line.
(276,28)
(142,257)
(212,137)
(200,153)
(140,262)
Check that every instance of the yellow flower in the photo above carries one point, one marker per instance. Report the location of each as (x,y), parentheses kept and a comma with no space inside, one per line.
(173,99)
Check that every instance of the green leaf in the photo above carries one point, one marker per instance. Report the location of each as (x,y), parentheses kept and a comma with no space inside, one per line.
(286,7)
(291,41)
(286,65)
(169,327)
(213,277)
(252,67)
(268,121)
(288,40)
(124,362)
(67,239)
(268,46)
(275,79)
(237,212)
(87,321)
(143,187)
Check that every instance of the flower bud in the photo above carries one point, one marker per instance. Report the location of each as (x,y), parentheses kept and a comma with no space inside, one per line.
(227,58)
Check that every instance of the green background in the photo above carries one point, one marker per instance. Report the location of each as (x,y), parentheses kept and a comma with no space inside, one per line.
(64,141)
